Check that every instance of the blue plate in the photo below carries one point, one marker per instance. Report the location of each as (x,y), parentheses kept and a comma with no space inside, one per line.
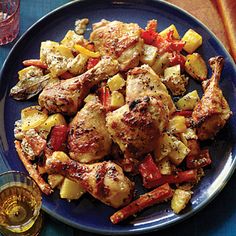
(87,213)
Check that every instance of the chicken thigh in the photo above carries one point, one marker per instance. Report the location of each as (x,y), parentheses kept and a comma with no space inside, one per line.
(212,111)
(119,40)
(88,137)
(104,180)
(143,81)
(66,96)
(135,127)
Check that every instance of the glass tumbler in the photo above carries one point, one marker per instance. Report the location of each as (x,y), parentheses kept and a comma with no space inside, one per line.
(20,204)
(9,20)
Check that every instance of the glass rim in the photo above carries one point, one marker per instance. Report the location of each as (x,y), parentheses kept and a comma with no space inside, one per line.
(15,228)
(22,174)
(12,15)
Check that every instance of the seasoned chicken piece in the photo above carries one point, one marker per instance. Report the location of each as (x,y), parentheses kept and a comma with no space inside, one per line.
(88,137)
(143,81)
(104,180)
(212,111)
(66,96)
(119,40)
(136,127)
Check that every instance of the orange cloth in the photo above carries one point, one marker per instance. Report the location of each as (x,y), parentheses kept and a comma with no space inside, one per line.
(227,9)
(217,15)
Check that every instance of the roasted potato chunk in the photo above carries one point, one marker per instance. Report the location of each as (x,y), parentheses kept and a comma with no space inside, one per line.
(164,32)
(71,190)
(32,117)
(180,200)
(192,40)
(196,66)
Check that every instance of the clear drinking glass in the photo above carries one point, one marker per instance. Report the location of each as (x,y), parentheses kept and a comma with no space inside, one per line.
(9,20)
(20,204)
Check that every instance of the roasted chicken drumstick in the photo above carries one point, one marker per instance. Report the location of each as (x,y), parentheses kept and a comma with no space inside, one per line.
(88,137)
(212,111)
(104,180)
(66,96)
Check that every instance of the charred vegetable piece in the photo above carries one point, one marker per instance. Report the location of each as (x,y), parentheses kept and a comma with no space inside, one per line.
(58,137)
(29,87)
(149,171)
(157,195)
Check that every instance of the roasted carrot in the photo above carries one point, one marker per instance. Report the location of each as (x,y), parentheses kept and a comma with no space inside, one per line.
(180,177)
(35,62)
(34,174)
(157,195)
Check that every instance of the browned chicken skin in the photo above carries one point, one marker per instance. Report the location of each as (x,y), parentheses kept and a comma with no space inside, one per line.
(104,181)
(66,96)
(143,81)
(119,40)
(136,127)
(212,111)
(88,137)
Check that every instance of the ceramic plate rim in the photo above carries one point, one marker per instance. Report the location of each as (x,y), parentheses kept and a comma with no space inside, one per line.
(153,227)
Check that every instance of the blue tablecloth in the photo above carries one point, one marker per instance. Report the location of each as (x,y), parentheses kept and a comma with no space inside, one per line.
(218,218)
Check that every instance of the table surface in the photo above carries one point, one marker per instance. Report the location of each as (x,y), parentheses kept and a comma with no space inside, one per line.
(218,218)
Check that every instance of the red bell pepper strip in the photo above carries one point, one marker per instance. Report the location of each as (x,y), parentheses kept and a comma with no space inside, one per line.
(177,59)
(157,195)
(149,171)
(149,36)
(92,62)
(104,97)
(186,113)
(58,137)
(66,75)
(35,62)
(180,177)
(168,44)
(198,161)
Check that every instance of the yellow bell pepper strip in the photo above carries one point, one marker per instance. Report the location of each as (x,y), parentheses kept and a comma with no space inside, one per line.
(87,52)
